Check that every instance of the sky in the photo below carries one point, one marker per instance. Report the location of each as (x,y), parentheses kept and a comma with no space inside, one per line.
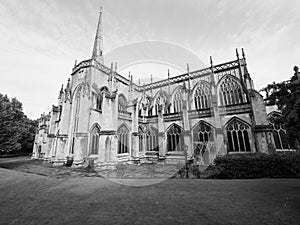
(40,39)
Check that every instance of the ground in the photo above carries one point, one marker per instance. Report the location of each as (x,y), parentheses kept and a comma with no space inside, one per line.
(74,196)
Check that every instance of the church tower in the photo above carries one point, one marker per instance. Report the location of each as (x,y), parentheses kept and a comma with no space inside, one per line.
(98,43)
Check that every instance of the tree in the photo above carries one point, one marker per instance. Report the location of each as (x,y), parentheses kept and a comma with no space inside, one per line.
(286,95)
(16,130)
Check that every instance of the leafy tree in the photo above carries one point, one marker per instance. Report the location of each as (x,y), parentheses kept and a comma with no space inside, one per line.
(16,130)
(286,95)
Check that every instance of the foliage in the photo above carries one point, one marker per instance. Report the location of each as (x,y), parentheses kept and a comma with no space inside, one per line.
(286,95)
(254,165)
(189,170)
(16,130)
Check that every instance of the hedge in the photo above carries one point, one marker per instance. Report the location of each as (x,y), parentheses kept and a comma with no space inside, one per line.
(255,165)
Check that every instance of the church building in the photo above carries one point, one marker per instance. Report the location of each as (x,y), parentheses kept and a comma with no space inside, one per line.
(105,117)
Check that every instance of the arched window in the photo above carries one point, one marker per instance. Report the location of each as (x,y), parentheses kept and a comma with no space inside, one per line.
(161,102)
(238,135)
(94,141)
(157,102)
(148,139)
(123,142)
(77,108)
(175,138)
(99,102)
(122,105)
(108,149)
(150,111)
(279,133)
(202,96)
(231,92)
(202,133)
(152,140)
(177,100)
(142,137)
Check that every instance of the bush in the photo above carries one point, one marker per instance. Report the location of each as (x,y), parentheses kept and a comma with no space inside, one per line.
(254,165)
(193,171)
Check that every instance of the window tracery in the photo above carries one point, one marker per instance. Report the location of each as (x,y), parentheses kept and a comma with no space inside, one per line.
(231,92)
(238,136)
(202,96)
(148,139)
(175,140)
(122,103)
(202,133)
(177,100)
(279,133)
(123,140)
(94,141)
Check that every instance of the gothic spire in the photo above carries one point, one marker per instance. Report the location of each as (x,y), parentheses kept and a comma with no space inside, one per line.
(98,43)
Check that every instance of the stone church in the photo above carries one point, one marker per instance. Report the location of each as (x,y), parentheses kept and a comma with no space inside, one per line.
(105,117)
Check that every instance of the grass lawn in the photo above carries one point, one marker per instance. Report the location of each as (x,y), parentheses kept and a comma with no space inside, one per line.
(29,198)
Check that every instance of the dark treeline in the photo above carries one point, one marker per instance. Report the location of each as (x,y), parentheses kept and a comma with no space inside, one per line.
(286,96)
(17,131)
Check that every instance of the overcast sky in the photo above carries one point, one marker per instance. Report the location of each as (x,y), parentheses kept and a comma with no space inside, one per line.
(40,39)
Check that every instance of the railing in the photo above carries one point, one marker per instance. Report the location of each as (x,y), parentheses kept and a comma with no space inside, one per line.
(177,79)
(172,116)
(198,113)
(125,113)
(82,64)
(226,66)
(235,109)
(148,119)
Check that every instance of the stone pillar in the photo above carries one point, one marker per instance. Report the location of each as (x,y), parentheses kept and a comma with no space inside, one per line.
(161,133)
(102,150)
(60,147)
(261,128)
(80,146)
(220,147)
(186,129)
(162,144)
(134,145)
(114,149)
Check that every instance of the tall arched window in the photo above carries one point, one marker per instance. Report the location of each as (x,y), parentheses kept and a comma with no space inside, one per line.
(202,96)
(77,108)
(99,102)
(152,139)
(175,140)
(238,135)
(123,142)
(177,100)
(157,102)
(231,92)
(142,137)
(279,133)
(148,139)
(202,133)
(94,141)
(122,105)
